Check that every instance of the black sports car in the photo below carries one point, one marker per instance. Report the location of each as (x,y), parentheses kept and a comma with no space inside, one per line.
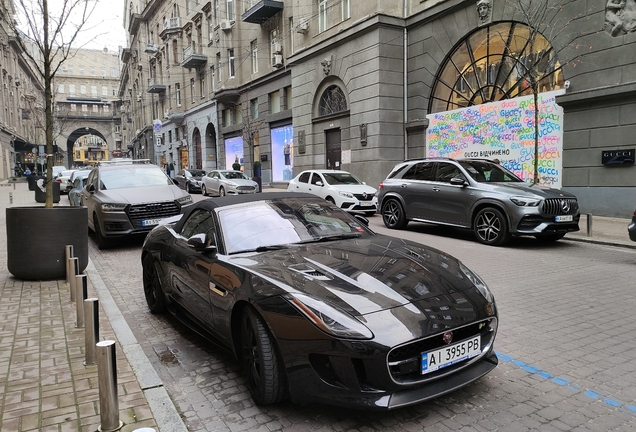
(316,306)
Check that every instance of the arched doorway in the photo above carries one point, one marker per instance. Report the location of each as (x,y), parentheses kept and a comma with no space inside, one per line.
(86,146)
(331,105)
(196,138)
(495,63)
(210,147)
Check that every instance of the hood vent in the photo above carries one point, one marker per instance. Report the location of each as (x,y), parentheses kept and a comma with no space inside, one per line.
(310,272)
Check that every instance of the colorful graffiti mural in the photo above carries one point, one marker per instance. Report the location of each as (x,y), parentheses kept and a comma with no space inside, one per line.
(503,130)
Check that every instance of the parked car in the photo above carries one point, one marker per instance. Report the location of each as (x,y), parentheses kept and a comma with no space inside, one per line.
(476,194)
(338,187)
(64,179)
(227,182)
(631,228)
(189,180)
(317,307)
(78,179)
(127,197)
(57,169)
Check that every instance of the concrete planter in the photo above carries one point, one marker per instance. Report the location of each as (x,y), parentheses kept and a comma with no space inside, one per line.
(36,237)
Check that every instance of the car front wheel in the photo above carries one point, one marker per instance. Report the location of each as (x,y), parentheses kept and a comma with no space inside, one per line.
(204,190)
(221,191)
(102,241)
(491,227)
(393,214)
(265,376)
(152,287)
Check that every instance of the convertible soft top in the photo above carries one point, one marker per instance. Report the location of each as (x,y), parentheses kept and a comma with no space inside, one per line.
(228,200)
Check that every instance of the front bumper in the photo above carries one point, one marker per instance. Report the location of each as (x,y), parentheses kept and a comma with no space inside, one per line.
(631,229)
(540,224)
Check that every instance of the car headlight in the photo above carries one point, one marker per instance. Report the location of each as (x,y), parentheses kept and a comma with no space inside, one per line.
(329,319)
(476,280)
(346,194)
(523,201)
(184,200)
(113,207)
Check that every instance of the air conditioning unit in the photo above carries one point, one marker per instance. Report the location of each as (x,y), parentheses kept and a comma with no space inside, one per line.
(277,48)
(139,96)
(226,25)
(277,61)
(302,27)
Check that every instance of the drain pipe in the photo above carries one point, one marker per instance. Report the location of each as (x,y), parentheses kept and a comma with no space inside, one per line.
(405,96)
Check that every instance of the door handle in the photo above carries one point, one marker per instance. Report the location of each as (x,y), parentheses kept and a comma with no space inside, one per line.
(219,291)
(435,189)
(404,185)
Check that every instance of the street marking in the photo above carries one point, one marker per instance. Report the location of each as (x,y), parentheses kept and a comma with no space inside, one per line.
(564,382)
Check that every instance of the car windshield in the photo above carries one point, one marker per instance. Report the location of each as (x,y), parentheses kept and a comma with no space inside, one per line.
(341,178)
(133,176)
(197,173)
(262,224)
(234,175)
(488,172)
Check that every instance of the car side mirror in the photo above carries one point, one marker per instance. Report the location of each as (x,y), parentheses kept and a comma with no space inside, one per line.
(199,242)
(364,221)
(90,188)
(318,183)
(458,181)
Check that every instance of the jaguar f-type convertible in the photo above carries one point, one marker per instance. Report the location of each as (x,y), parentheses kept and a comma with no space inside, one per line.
(316,306)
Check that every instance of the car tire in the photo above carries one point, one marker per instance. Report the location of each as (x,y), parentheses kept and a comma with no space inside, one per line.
(549,238)
(393,214)
(221,191)
(102,241)
(331,200)
(491,227)
(263,369)
(155,297)
(204,190)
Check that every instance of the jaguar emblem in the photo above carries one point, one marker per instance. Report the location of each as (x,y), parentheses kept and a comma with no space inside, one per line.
(448,337)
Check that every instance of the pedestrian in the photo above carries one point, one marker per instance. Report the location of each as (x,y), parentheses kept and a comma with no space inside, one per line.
(168,169)
(27,172)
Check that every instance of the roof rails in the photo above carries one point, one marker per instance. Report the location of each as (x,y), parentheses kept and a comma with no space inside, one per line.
(124,161)
(426,158)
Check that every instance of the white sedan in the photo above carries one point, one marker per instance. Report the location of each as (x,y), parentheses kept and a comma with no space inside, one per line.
(63,178)
(338,187)
(227,182)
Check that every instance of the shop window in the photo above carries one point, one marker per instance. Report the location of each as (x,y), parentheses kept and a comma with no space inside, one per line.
(495,63)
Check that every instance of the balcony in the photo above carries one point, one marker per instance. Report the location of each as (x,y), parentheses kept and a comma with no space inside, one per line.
(192,57)
(151,49)
(262,11)
(173,23)
(155,86)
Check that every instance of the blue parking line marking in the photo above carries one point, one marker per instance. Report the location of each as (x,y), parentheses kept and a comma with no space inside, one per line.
(567,383)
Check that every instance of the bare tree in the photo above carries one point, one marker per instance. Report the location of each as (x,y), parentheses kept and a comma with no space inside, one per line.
(559,22)
(53,32)
(250,128)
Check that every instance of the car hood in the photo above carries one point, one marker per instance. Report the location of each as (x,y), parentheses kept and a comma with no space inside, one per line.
(239,182)
(356,189)
(527,189)
(361,276)
(142,195)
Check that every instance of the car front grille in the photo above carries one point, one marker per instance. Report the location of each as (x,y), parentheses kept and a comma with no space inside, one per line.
(560,206)
(245,188)
(141,212)
(405,361)
(363,197)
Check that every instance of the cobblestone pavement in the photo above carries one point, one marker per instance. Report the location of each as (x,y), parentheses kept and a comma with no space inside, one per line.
(567,355)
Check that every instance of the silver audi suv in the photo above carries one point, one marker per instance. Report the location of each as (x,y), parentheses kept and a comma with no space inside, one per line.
(477,194)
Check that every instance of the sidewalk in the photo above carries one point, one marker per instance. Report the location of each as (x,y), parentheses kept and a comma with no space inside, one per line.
(44,385)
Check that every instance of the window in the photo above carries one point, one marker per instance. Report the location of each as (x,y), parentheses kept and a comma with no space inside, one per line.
(106,110)
(254,50)
(82,89)
(73,107)
(81,70)
(169,136)
(117,127)
(495,63)
(213,78)
(420,171)
(176,134)
(92,70)
(193,92)
(104,91)
(70,69)
(274,102)
(227,117)
(200,222)
(84,108)
(177,90)
(332,101)
(71,89)
(230,56)
(446,171)
(218,67)
(94,91)
(230,9)
(216,12)
(254,108)
(114,91)
(346,9)
(95,108)
(288,97)
(60,88)
(202,84)
(174,52)
(113,72)
(322,16)
(103,72)
(291,34)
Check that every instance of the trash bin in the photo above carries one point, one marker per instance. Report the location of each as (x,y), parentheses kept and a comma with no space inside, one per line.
(259,181)
(40,195)
(32,180)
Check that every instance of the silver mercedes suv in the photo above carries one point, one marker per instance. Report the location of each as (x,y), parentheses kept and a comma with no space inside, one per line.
(477,194)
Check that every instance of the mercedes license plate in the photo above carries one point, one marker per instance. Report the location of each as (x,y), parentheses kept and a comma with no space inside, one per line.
(150,222)
(451,354)
(565,218)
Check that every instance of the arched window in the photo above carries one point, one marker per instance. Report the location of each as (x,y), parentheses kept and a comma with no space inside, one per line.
(332,101)
(495,63)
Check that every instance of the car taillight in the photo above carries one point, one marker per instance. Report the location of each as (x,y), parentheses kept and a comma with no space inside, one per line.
(59,180)
(381,186)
